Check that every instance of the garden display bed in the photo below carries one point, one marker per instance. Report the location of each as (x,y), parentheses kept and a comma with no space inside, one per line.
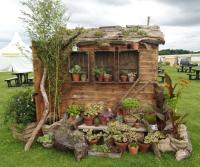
(103,154)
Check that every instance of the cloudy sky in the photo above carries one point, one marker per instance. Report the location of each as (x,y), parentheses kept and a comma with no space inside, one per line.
(178,19)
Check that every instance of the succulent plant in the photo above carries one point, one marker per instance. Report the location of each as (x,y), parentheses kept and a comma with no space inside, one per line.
(94,109)
(153,137)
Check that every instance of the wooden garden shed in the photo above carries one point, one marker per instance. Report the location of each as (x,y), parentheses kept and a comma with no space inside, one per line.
(113,49)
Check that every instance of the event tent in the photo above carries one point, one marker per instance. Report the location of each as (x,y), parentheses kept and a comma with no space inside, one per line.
(16,56)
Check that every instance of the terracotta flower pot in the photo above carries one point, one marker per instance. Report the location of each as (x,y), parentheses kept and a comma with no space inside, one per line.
(126,112)
(76,77)
(122,146)
(103,120)
(88,120)
(91,142)
(71,120)
(110,78)
(100,78)
(133,150)
(136,46)
(123,78)
(144,147)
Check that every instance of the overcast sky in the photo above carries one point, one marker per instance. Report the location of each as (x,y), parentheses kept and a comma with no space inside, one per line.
(178,19)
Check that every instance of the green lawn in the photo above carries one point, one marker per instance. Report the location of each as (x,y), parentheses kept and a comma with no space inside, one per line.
(13,155)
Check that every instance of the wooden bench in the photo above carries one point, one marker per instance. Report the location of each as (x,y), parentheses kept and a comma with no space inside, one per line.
(191,75)
(30,80)
(9,81)
(162,78)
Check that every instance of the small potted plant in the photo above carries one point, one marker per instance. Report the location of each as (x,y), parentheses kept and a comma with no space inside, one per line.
(91,111)
(119,132)
(132,76)
(133,146)
(135,45)
(73,111)
(107,77)
(83,77)
(76,73)
(105,116)
(91,137)
(99,73)
(129,104)
(152,137)
(47,140)
(123,75)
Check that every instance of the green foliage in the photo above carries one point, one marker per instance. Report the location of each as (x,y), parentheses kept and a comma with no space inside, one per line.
(120,132)
(134,30)
(21,108)
(92,136)
(153,137)
(76,69)
(48,138)
(45,22)
(100,148)
(94,109)
(98,71)
(74,110)
(99,33)
(133,144)
(174,51)
(130,103)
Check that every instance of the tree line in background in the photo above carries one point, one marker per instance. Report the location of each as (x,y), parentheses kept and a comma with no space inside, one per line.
(176,51)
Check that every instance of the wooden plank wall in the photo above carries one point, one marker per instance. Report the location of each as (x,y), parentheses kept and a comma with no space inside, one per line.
(84,93)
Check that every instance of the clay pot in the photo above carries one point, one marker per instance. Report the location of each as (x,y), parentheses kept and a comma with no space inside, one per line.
(71,120)
(144,147)
(133,150)
(76,77)
(130,120)
(123,78)
(91,142)
(135,46)
(88,120)
(122,146)
(103,120)
(110,78)
(100,78)
(126,112)
(131,79)
(137,125)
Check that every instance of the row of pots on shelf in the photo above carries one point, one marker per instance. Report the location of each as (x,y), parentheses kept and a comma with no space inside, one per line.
(101,75)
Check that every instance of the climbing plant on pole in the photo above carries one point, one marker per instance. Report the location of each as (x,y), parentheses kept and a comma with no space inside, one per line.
(45,21)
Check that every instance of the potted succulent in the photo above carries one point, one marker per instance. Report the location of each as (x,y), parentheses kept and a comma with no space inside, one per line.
(99,73)
(105,116)
(107,77)
(96,121)
(152,137)
(76,73)
(73,111)
(132,76)
(129,104)
(83,77)
(133,146)
(91,137)
(47,140)
(119,132)
(123,75)
(91,111)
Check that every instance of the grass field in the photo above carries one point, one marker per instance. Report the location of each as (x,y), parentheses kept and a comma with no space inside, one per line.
(13,155)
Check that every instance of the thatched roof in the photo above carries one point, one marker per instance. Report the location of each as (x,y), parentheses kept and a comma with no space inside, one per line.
(118,35)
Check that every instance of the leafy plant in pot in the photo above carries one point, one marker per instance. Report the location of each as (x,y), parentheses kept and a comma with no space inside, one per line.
(152,137)
(91,111)
(76,73)
(123,75)
(133,146)
(132,76)
(129,104)
(73,111)
(99,73)
(119,132)
(105,116)
(91,137)
(107,77)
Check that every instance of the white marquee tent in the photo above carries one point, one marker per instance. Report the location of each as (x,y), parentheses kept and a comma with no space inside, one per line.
(16,56)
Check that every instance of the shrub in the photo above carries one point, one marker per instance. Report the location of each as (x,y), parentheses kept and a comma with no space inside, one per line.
(130,103)
(21,108)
